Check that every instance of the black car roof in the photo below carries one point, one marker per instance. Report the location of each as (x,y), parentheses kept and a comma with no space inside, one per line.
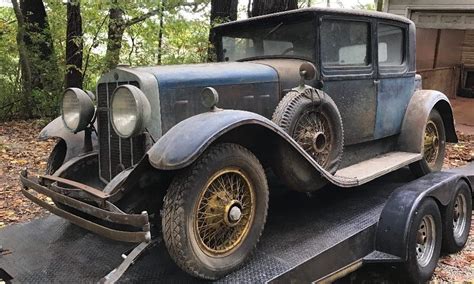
(323,11)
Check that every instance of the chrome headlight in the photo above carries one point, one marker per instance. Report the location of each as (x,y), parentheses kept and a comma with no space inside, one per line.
(130,111)
(77,109)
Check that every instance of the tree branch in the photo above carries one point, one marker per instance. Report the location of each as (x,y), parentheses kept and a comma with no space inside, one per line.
(94,42)
(141,18)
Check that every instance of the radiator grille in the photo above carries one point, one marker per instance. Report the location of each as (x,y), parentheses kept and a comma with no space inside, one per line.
(115,153)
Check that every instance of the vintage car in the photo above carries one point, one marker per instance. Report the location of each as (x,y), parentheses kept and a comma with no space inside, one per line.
(312,96)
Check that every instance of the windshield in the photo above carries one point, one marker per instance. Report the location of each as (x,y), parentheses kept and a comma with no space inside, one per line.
(281,39)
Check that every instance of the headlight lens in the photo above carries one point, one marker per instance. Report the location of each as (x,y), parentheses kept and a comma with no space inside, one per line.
(77,109)
(130,111)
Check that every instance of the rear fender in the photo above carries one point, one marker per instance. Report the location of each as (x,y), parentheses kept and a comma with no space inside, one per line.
(418,111)
(398,213)
(187,140)
(74,142)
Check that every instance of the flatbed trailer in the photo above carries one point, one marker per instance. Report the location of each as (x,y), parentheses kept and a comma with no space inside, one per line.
(324,237)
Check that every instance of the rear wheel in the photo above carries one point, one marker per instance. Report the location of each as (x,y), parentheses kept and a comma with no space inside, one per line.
(424,242)
(457,219)
(215,210)
(433,146)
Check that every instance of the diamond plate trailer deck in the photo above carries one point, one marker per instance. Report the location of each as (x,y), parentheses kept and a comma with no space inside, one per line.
(305,239)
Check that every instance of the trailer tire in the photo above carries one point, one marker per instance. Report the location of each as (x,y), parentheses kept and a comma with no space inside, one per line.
(434,127)
(457,219)
(324,143)
(424,242)
(203,233)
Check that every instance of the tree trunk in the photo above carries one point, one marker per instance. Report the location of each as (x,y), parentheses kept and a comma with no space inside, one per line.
(74,45)
(263,7)
(221,11)
(160,33)
(39,45)
(117,26)
(25,66)
(115,34)
(379,4)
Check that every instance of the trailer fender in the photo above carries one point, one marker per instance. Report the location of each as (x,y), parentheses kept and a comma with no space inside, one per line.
(418,110)
(187,140)
(397,215)
(74,142)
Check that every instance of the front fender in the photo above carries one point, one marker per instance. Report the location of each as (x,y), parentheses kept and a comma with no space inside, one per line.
(418,111)
(187,140)
(74,142)
(184,142)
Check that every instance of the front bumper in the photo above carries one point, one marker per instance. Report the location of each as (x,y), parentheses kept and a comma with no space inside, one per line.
(133,227)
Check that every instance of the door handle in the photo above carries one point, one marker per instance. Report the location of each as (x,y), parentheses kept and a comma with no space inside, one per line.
(376,82)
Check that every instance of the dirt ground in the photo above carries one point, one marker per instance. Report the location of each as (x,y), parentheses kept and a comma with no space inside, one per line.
(20,149)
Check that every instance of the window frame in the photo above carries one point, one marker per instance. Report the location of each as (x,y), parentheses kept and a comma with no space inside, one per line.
(399,69)
(349,70)
(288,19)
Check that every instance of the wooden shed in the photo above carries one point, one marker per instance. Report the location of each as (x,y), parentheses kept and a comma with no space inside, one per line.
(445,41)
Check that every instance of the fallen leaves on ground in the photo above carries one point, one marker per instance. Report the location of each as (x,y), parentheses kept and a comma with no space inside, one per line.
(19,149)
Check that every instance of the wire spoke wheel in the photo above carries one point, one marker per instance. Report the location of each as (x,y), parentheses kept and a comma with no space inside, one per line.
(313,133)
(425,241)
(224,212)
(431,143)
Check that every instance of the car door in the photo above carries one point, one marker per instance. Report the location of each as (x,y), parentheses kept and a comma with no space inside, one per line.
(348,73)
(395,82)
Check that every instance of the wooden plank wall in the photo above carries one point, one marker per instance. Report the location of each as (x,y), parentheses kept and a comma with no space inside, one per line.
(443,79)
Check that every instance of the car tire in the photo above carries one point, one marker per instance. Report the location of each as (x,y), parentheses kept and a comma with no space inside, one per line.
(457,219)
(424,242)
(434,126)
(324,142)
(55,161)
(202,196)
(56,158)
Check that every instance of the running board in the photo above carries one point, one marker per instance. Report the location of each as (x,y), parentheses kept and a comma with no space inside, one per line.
(371,169)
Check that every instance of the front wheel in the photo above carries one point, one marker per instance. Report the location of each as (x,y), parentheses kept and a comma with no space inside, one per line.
(434,145)
(215,210)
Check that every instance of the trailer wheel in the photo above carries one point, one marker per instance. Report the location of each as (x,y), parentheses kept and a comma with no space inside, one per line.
(424,242)
(215,210)
(457,219)
(316,127)
(433,146)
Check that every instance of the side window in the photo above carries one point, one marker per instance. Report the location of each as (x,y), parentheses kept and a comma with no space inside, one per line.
(345,43)
(391,45)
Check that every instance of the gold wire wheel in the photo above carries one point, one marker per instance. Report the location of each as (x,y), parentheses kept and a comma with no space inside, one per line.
(224,212)
(313,133)
(431,143)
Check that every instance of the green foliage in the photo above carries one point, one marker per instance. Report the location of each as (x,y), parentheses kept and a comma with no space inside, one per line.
(9,68)
(185,35)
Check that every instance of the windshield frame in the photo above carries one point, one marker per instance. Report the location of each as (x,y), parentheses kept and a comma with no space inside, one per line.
(220,32)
